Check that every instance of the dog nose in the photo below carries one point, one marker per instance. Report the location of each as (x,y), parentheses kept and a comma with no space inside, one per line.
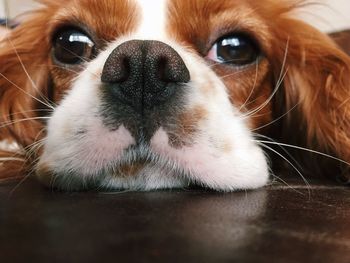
(145,73)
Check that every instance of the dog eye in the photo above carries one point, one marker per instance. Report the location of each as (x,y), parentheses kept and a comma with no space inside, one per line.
(72,47)
(236,50)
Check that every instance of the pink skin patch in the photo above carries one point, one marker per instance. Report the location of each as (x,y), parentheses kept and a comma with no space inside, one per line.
(207,164)
(96,150)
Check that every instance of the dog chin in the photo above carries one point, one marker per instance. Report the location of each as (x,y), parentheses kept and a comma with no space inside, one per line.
(157,165)
(150,177)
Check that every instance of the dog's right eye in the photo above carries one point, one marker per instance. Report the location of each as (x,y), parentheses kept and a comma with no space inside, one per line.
(72,47)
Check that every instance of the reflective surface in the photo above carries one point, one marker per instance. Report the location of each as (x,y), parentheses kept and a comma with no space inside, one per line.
(275,224)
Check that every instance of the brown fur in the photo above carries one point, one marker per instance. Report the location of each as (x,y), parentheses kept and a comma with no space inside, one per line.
(187,127)
(318,80)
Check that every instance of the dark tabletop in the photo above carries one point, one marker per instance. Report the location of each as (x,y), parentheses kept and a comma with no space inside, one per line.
(280,223)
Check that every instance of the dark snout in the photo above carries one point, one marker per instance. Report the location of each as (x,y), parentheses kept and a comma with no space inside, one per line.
(142,73)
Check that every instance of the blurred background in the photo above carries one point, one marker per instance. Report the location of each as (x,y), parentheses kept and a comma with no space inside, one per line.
(329,16)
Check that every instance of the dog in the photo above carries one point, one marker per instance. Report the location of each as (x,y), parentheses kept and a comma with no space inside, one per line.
(147,95)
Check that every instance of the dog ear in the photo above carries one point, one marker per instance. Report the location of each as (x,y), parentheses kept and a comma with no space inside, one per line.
(316,88)
(23,86)
(23,83)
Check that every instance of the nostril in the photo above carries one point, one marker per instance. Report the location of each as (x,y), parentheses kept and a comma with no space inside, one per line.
(172,71)
(125,71)
(163,71)
(166,64)
(116,70)
(175,71)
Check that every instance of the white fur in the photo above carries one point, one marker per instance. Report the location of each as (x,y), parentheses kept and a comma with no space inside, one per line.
(152,24)
(206,162)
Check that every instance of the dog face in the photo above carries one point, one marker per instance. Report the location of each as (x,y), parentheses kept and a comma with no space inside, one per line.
(164,93)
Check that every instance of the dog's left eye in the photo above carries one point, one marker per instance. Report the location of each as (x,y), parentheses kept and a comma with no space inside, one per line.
(72,47)
(236,50)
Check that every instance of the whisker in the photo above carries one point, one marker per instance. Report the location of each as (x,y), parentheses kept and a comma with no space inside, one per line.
(25,178)
(253,88)
(289,162)
(59,67)
(69,69)
(269,99)
(23,120)
(75,54)
(83,59)
(29,155)
(277,119)
(42,97)
(252,101)
(9,159)
(282,148)
(29,111)
(31,149)
(233,74)
(285,183)
(306,150)
(263,105)
(35,146)
(27,93)
(217,63)
(260,115)
(277,87)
